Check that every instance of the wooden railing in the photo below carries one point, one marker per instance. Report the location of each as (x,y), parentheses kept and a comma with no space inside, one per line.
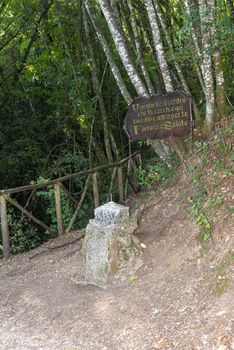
(125,171)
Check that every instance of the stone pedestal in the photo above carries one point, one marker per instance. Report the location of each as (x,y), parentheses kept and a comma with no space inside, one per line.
(110,249)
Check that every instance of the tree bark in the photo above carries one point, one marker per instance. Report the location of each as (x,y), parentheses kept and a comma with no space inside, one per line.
(196,45)
(122,48)
(58,206)
(97,89)
(220,85)
(158,46)
(139,49)
(175,143)
(163,151)
(207,67)
(221,100)
(177,66)
(114,68)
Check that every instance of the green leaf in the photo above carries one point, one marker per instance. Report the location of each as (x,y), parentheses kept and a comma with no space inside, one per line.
(231,209)
(132,279)
(206,237)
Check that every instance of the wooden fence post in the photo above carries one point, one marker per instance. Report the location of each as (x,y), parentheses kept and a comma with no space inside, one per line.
(109,196)
(134,175)
(58,204)
(5,229)
(139,160)
(95,190)
(120,184)
(126,181)
(79,204)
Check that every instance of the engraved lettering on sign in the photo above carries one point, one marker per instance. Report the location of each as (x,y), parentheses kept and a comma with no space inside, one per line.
(159,116)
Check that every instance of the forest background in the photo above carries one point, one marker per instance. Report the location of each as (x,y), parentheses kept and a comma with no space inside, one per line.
(69,69)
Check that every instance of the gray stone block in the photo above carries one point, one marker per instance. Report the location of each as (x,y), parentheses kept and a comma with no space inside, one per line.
(111,213)
(110,249)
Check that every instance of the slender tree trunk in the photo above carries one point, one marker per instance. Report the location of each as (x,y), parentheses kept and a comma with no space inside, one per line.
(207,67)
(195,42)
(121,45)
(162,150)
(158,46)
(156,75)
(177,66)
(122,48)
(220,85)
(221,100)
(115,12)
(113,144)
(139,50)
(175,143)
(114,68)
(97,89)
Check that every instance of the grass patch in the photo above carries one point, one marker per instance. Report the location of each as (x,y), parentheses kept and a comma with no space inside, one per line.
(220,280)
(220,286)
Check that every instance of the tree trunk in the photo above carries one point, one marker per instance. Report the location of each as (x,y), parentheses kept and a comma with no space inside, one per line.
(196,46)
(158,46)
(163,151)
(97,89)
(207,67)
(139,50)
(177,66)
(122,48)
(114,68)
(220,85)
(175,143)
(221,100)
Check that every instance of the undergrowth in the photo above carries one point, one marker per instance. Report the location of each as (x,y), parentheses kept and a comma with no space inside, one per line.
(156,173)
(210,167)
(48,197)
(220,278)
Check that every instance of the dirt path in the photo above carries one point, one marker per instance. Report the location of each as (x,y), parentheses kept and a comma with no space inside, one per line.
(173,303)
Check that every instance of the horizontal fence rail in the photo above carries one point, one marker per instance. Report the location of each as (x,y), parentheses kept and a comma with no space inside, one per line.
(68,177)
(125,178)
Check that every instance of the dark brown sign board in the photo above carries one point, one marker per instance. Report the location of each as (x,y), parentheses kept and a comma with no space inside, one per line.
(159,116)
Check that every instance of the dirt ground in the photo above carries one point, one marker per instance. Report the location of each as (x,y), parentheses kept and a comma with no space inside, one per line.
(182,298)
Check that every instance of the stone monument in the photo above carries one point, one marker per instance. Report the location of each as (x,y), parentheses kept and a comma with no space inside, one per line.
(110,250)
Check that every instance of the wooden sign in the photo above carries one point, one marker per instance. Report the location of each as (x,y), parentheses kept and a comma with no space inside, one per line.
(159,116)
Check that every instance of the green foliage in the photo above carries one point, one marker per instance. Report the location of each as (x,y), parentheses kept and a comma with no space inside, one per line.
(51,119)
(215,202)
(220,285)
(132,279)
(212,169)
(203,222)
(202,148)
(23,235)
(150,175)
(192,168)
(157,172)
(197,177)
(231,209)
(220,280)
(231,255)
(48,197)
